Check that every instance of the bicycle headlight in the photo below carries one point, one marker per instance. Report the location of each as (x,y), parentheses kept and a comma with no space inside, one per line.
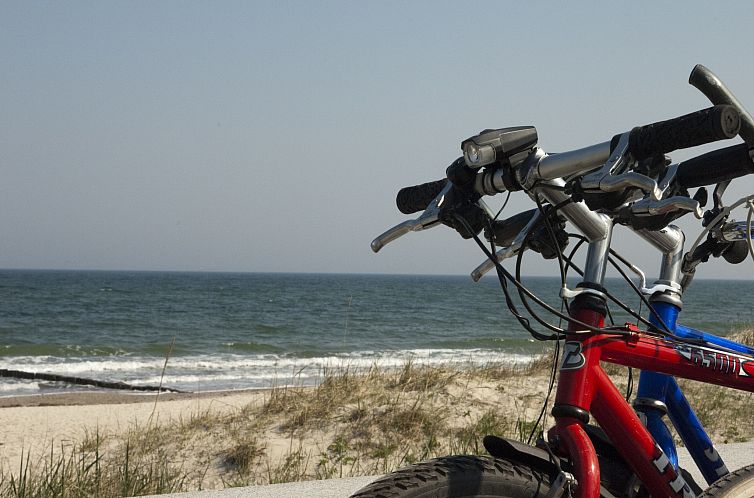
(478,155)
(500,145)
(471,153)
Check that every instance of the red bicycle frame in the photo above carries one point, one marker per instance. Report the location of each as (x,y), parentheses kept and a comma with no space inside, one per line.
(585,388)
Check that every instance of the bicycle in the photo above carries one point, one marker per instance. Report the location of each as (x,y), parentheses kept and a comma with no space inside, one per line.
(627,181)
(659,394)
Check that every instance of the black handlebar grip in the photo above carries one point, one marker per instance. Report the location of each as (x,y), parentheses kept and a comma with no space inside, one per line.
(716,166)
(417,198)
(700,127)
(715,90)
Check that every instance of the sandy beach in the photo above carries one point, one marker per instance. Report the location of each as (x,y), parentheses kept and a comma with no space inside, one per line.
(35,423)
(337,429)
(349,425)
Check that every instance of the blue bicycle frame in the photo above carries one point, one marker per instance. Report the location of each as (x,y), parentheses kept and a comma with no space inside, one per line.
(658,394)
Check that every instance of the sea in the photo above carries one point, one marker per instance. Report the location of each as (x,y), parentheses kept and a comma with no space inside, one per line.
(220,331)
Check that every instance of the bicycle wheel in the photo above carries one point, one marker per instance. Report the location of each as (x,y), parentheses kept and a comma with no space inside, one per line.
(461,477)
(738,484)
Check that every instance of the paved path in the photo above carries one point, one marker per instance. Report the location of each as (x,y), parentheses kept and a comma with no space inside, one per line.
(330,488)
(735,456)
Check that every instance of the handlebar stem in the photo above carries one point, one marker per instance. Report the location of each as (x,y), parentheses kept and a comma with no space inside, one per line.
(669,241)
(597,256)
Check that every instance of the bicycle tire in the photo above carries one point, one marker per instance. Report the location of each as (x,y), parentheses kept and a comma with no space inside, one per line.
(461,476)
(738,484)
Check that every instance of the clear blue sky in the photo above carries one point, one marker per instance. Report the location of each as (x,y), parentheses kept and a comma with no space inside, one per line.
(272,136)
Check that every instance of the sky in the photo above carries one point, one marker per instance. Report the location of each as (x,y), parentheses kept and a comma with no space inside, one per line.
(272,136)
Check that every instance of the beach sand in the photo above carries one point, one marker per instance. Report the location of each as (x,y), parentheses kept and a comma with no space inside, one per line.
(349,425)
(276,424)
(34,423)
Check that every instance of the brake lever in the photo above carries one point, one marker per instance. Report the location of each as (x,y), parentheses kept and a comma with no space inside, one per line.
(428,219)
(611,177)
(506,252)
(650,207)
(717,195)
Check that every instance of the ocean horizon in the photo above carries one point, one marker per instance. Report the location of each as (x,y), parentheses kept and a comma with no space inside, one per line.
(230,330)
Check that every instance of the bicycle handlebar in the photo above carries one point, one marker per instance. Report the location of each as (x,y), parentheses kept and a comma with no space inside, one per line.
(697,128)
(716,166)
(708,125)
(538,171)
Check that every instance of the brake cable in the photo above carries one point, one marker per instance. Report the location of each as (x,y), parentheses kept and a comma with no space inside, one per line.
(509,302)
(748,228)
(569,263)
(505,203)
(587,328)
(504,275)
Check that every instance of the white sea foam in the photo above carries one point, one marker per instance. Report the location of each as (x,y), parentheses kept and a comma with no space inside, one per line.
(235,371)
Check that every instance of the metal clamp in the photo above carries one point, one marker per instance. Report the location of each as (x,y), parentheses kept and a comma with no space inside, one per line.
(567,293)
(732,231)
(650,403)
(662,286)
(564,480)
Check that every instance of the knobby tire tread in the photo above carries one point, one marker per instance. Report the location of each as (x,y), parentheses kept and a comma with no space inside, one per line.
(733,485)
(443,477)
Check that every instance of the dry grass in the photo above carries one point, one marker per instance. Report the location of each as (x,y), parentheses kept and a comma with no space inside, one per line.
(351,423)
(744,336)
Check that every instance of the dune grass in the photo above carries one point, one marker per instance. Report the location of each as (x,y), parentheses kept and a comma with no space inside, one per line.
(352,423)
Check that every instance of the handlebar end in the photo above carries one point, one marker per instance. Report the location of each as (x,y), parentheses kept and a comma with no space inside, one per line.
(376,245)
(715,90)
